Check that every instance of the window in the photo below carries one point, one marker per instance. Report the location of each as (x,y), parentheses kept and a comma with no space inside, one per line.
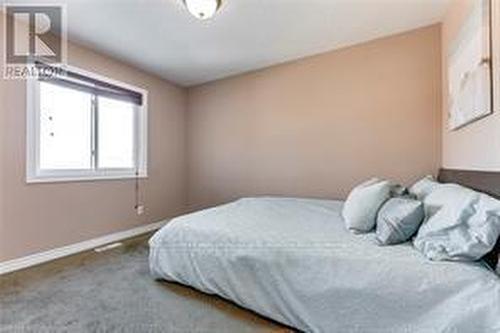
(84,127)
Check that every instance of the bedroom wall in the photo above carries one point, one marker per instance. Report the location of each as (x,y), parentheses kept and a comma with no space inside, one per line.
(317,126)
(475,146)
(40,217)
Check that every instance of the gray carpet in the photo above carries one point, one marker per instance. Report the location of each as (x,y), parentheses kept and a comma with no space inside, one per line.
(113,292)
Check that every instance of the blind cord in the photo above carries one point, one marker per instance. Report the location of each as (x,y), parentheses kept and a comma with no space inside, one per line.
(137,189)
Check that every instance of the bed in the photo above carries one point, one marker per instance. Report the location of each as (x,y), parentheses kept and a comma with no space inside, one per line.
(292,260)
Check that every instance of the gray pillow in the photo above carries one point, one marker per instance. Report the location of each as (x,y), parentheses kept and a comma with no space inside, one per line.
(398,220)
(362,205)
(398,190)
(461,224)
(423,187)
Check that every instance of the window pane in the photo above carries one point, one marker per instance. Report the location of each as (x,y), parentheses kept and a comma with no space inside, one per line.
(116,137)
(65,128)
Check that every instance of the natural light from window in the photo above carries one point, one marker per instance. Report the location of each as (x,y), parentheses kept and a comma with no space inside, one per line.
(83,126)
(116,134)
(65,128)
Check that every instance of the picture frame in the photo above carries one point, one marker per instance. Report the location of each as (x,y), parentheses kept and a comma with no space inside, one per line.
(470,68)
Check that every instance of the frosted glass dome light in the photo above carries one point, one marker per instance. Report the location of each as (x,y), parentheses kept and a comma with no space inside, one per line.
(202,9)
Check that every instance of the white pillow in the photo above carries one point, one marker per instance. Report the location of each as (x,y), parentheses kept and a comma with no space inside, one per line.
(362,205)
(461,224)
(424,187)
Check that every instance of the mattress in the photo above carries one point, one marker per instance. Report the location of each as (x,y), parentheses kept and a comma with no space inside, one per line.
(293,261)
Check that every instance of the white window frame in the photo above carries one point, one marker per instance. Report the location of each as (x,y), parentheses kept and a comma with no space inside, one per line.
(34,174)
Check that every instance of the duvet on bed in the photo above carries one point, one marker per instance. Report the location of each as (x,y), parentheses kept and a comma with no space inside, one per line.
(293,261)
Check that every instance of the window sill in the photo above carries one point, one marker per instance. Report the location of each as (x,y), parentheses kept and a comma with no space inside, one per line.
(70,179)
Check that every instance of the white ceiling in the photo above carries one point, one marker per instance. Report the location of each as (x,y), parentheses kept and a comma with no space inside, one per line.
(161,37)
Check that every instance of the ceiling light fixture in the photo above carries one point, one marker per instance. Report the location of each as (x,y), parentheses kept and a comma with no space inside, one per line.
(202,9)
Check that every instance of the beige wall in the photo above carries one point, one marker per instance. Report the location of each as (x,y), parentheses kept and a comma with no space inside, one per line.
(43,216)
(311,128)
(476,146)
(317,126)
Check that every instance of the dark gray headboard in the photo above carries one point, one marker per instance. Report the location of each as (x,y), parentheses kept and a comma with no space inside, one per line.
(482,181)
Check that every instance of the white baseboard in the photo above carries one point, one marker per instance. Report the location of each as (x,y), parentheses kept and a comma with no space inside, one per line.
(42,257)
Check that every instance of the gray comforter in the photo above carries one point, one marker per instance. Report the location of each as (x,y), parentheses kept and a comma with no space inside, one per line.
(293,261)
